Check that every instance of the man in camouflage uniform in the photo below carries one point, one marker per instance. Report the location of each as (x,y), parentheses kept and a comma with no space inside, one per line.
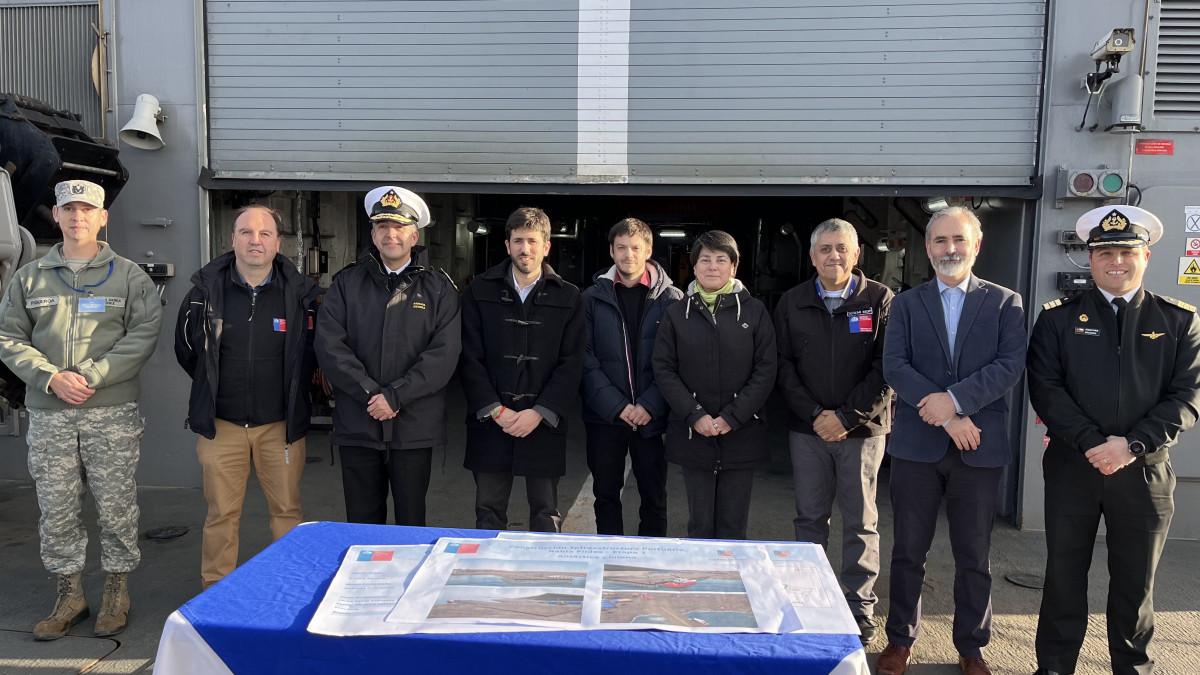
(77,326)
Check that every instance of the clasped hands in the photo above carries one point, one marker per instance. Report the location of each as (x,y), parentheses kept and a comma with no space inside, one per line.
(939,410)
(710,426)
(1111,456)
(829,427)
(518,424)
(71,387)
(378,408)
(635,415)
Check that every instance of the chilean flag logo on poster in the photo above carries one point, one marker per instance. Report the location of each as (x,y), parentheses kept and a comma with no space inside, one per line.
(375,556)
(462,548)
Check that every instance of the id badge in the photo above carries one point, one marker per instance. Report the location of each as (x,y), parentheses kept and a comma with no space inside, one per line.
(862,322)
(91,305)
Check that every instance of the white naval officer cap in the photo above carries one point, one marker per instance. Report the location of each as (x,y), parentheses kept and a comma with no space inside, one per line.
(1118,226)
(389,202)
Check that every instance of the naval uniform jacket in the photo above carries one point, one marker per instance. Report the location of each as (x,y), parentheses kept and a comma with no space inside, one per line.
(521,355)
(1087,385)
(402,343)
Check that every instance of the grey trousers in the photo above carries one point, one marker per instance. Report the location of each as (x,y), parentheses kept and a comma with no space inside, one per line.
(849,470)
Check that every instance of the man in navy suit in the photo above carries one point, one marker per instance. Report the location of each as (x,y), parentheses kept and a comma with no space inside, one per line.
(955,346)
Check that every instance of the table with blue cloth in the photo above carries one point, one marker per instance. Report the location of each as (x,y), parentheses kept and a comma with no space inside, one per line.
(255,621)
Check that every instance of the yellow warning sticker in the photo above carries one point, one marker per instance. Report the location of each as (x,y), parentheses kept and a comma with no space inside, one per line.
(1189,272)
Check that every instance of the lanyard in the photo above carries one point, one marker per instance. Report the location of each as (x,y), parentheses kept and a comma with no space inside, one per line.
(58,271)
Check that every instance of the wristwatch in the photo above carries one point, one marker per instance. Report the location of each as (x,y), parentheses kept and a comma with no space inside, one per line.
(1137,448)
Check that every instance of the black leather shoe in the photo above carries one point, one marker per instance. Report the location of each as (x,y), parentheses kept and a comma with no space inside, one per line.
(1043,671)
(866,624)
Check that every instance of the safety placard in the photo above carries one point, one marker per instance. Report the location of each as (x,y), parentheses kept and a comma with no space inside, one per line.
(1154,146)
(1191,218)
(1192,247)
(1189,271)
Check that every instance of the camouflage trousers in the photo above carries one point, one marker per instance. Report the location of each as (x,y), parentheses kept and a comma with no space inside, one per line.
(79,448)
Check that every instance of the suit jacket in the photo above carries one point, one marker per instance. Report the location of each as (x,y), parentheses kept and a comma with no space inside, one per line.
(989,357)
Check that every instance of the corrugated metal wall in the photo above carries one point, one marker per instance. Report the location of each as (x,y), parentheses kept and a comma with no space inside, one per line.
(46,52)
(465,91)
(945,92)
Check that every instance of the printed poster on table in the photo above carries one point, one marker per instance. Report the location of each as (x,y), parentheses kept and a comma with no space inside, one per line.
(801,568)
(594,583)
(366,587)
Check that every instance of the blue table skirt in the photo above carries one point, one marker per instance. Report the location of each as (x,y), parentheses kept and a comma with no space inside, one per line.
(256,620)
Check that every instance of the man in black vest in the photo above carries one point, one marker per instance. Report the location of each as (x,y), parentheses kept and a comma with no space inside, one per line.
(522,337)
(245,336)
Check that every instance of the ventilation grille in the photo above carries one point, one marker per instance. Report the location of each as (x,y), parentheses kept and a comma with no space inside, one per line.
(46,53)
(1177,79)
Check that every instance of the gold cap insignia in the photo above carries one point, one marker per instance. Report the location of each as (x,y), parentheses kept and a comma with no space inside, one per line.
(1153,336)
(390,200)
(1083,318)
(1114,221)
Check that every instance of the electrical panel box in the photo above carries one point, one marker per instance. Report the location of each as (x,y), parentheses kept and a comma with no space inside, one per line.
(1070,239)
(158,270)
(1075,282)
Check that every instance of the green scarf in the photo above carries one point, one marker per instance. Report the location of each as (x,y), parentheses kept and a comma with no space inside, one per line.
(710,299)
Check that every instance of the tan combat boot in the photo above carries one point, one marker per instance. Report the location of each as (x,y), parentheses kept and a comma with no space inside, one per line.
(70,608)
(114,609)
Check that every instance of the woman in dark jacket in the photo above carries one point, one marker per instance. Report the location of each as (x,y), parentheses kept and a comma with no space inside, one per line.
(715,362)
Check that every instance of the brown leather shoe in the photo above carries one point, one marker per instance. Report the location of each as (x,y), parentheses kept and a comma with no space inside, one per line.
(894,660)
(974,666)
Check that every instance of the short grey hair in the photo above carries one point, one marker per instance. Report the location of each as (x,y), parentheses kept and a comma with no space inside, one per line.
(956,211)
(832,226)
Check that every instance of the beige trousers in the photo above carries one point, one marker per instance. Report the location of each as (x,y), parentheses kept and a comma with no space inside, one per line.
(225,461)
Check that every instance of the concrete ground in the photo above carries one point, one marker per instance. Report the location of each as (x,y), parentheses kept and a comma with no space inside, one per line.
(169,574)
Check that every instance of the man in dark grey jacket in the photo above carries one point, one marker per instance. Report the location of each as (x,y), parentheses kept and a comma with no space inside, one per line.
(623,409)
(830,335)
(388,342)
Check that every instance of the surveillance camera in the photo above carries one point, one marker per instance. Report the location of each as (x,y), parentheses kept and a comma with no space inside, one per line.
(1113,45)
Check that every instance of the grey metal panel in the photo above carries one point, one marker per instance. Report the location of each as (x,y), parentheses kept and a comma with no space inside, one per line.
(46,52)
(945,92)
(874,79)
(370,87)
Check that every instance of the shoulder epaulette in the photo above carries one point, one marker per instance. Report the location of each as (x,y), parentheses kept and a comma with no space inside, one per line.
(1179,303)
(452,284)
(1055,303)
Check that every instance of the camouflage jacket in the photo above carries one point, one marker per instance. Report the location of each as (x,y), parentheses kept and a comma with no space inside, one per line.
(101,322)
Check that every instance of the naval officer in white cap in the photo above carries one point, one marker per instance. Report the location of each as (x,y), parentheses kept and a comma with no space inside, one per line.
(1114,372)
(388,341)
